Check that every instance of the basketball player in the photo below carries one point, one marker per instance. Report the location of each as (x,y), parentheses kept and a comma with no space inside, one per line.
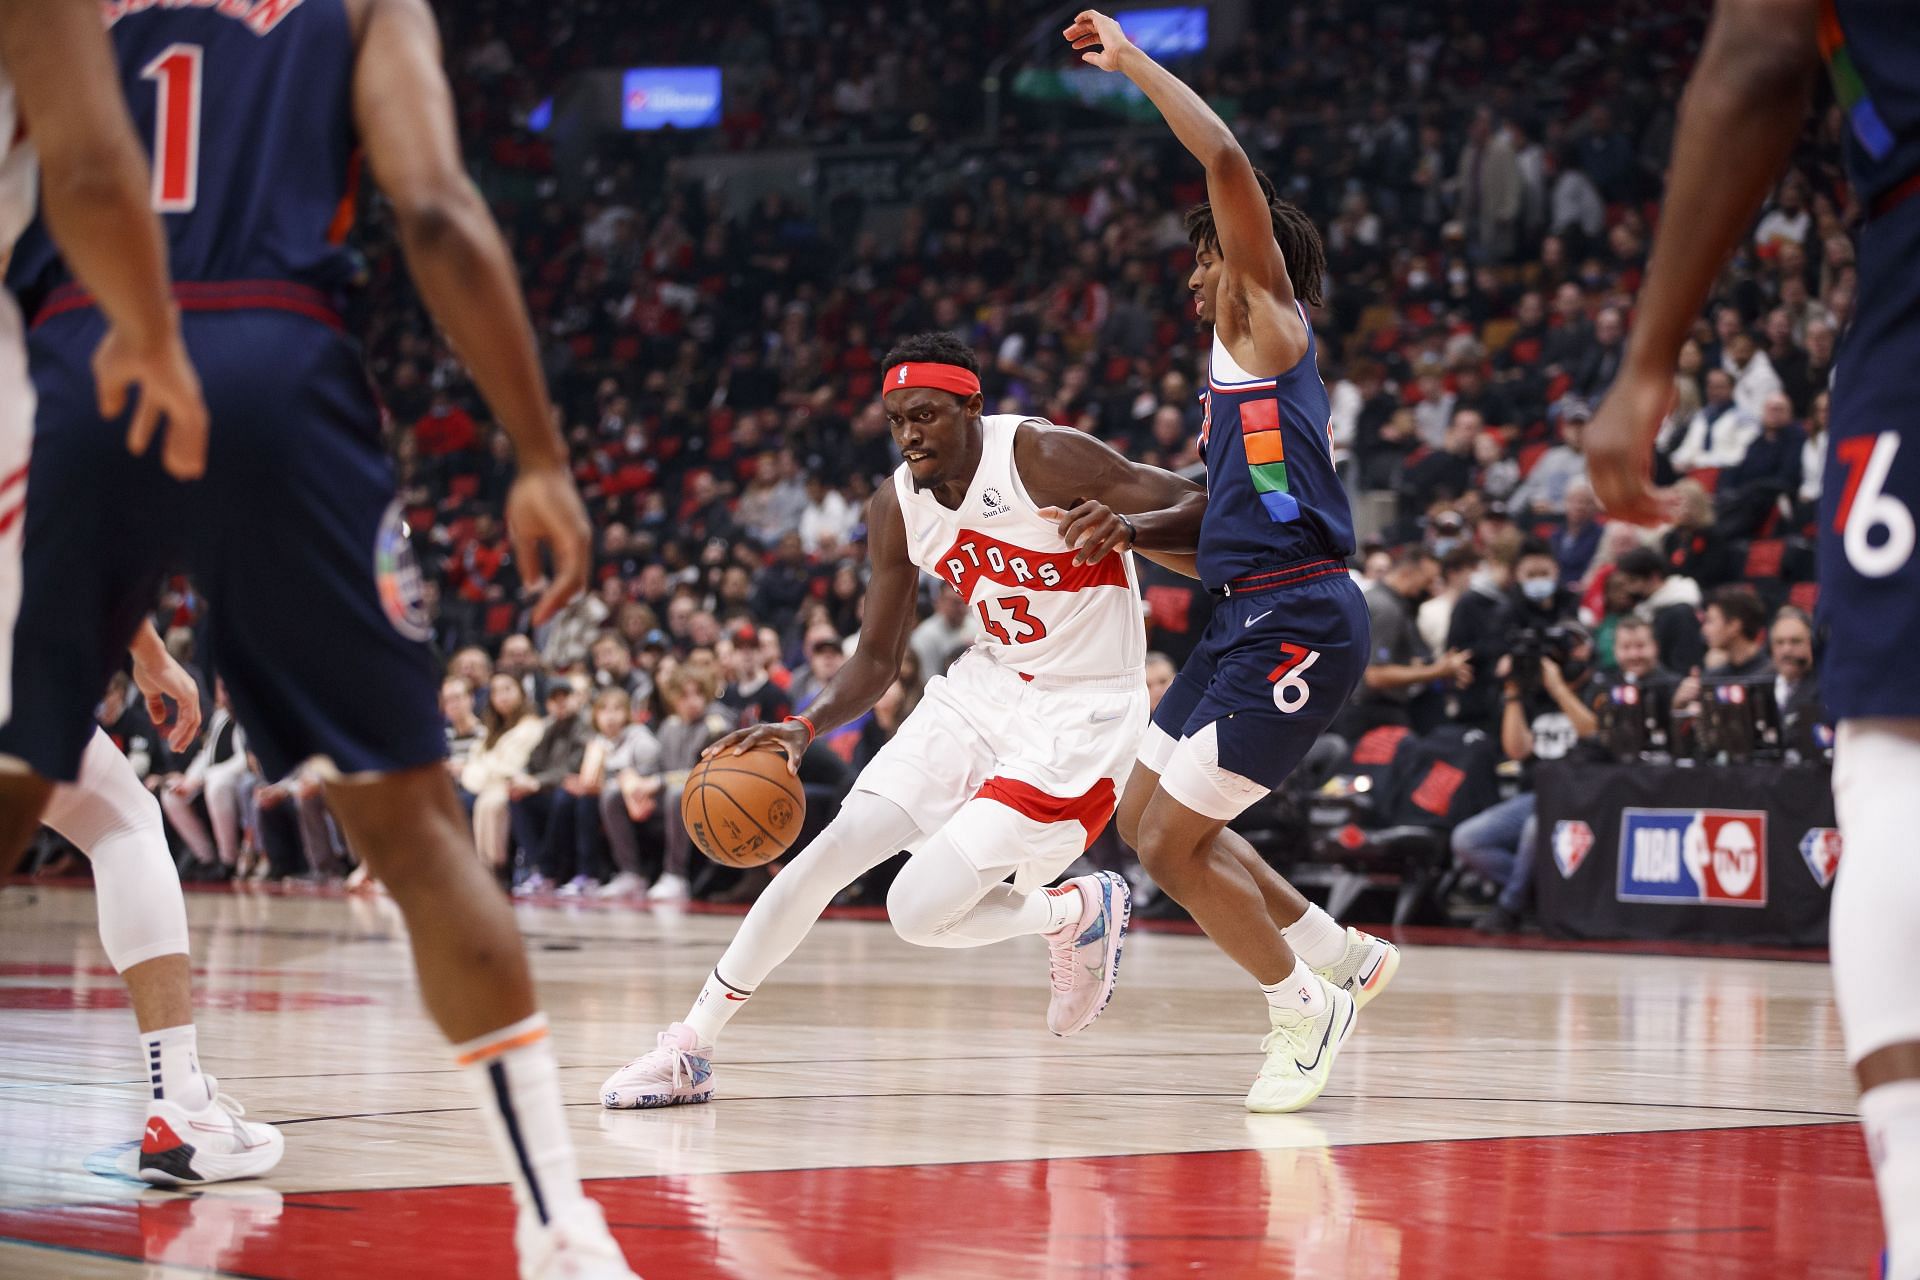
(1739,121)
(1289,643)
(1010,763)
(57,71)
(116,822)
(315,619)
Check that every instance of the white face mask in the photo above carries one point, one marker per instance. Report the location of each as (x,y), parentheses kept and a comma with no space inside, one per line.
(1483,580)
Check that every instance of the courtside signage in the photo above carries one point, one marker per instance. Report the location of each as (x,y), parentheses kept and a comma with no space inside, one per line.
(1694,857)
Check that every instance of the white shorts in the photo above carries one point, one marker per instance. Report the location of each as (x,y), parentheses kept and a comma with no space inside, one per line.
(16,443)
(1054,752)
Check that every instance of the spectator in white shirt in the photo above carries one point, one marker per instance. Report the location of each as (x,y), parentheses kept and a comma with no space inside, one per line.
(828,519)
(950,628)
(1754,378)
(1719,434)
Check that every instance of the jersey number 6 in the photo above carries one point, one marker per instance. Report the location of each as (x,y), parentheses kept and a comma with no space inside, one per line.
(1290,691)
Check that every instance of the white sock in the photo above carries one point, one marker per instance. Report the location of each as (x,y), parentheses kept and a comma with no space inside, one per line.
(719,1001)
(1299,992)
(1065,904)
(1891,1115)
(1317,938)
(173,1063)
(517,1084)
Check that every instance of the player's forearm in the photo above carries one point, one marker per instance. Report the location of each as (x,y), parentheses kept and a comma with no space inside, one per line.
(1171,528)
(1199,129)
(95,204)
(852,691)
(467,279)
(1385,676)
(1585,723)
(1738,122)
(147,647)
(1185,563)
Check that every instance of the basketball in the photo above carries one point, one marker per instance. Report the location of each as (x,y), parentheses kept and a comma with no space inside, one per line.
(743,810)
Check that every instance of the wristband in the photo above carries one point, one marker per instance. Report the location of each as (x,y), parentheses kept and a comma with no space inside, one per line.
(1132,535)
(812,732)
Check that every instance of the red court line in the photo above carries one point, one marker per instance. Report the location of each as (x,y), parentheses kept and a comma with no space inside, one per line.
(1708,1203)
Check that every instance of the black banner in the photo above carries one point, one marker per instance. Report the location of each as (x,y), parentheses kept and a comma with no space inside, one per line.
(1729,853)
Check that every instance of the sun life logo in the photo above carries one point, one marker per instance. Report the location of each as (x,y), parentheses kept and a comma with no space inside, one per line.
(995,504)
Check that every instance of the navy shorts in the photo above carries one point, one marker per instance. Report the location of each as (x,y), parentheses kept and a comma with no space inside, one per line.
(293,536)
(1870,501)
(1272,671)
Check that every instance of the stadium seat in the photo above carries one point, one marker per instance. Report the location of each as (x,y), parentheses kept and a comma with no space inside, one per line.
(1764,558)
(1805,595)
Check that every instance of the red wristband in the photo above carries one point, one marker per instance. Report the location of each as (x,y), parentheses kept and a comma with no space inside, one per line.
(812,732)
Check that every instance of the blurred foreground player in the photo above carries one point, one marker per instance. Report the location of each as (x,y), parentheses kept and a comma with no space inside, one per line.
(1289,644)
(1011,763)
(1738,123)
(193,1134)
(316,625)
(56,70)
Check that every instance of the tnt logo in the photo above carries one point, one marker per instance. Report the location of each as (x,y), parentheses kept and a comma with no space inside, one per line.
(1821,849)
(1717,857)
(1572,842)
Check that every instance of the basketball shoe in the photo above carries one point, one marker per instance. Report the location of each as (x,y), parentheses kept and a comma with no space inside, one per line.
(1085,953)
(676,1071)
(1300,1051)
(574,1245)
(1365,970)
(212,1144)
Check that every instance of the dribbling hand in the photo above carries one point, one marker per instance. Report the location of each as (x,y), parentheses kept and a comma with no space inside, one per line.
(1092,27)
(789,735)
(158,379)
(543,510)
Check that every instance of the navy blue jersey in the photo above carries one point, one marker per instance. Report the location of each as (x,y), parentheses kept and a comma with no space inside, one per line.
(246,109)
(1273,498)
(1872,50)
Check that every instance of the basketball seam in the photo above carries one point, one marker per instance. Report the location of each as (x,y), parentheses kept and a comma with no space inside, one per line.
(794,795)
(742,808)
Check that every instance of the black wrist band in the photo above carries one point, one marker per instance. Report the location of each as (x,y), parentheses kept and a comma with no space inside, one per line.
(1133,535)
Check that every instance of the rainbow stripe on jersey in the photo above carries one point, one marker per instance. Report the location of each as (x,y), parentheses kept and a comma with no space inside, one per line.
(1868,128)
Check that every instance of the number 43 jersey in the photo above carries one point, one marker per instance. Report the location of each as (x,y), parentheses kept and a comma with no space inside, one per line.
(1044,615)
(245,108)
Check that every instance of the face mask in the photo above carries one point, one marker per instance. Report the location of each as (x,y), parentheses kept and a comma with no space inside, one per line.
(1538,590)
(1441,546)
(1483,581)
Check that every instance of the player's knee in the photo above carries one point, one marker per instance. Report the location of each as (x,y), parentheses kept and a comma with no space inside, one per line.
(1126,818)
(1165,853)
(913,915)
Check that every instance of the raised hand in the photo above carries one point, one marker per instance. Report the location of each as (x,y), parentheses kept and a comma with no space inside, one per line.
(1091,27)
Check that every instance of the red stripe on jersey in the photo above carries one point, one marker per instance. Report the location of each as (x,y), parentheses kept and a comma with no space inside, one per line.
(974,556)
(7,520)
(1091,810)
(13,479)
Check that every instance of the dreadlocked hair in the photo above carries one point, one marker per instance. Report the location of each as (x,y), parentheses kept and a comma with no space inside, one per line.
(1298,238)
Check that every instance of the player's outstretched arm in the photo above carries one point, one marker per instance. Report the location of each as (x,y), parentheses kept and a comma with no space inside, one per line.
(404,112)
(1241,214)
(1104,501)
(875,663)
(1738,121)
(94,191)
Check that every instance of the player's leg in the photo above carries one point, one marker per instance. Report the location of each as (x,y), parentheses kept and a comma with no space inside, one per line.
(868,830)
(193,1134)
(296,451)
(1876,899)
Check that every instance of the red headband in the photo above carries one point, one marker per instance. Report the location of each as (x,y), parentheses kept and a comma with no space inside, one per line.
(927,373)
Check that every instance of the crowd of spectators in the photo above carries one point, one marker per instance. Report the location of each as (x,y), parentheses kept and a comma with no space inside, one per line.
(1485,175)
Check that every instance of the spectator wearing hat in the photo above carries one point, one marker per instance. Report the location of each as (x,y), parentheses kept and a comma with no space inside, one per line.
(1544,490)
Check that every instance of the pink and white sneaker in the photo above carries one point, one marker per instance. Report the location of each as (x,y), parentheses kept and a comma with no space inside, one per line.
(675,1072)
(1085,955)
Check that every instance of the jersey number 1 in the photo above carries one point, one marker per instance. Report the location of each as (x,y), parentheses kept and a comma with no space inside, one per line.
(176,127)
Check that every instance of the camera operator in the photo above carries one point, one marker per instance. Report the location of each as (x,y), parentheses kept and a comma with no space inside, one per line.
(1544,712)
(1489,627)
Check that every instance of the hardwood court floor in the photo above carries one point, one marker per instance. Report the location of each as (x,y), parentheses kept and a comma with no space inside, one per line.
(885,1111)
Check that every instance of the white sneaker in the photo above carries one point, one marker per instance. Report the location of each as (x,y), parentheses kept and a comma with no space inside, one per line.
(212,1144)
(573,1246)
(1367,967)
(1085,955)
(677,1071)
(627,882)
(1300,1051)
(670,888)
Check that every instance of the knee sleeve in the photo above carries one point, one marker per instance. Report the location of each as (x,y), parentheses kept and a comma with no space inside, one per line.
(117,824)
(951,892)
(1876,898)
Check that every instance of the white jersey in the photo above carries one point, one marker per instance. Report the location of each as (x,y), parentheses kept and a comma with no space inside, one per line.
(1044,615)
(19,176)
(18,192)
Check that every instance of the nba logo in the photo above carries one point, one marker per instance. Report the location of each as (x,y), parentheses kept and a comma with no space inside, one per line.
(1821,849)
(1572,842)
(901,381)
(1709,857)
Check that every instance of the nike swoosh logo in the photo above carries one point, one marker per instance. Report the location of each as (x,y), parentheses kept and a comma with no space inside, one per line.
(1327,1036)
(1378,960)
(1250,621)
(1104,719)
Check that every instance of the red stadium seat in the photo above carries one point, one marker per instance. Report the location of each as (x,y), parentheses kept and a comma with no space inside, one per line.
(1763,558)
(1805,595)
(500,618)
